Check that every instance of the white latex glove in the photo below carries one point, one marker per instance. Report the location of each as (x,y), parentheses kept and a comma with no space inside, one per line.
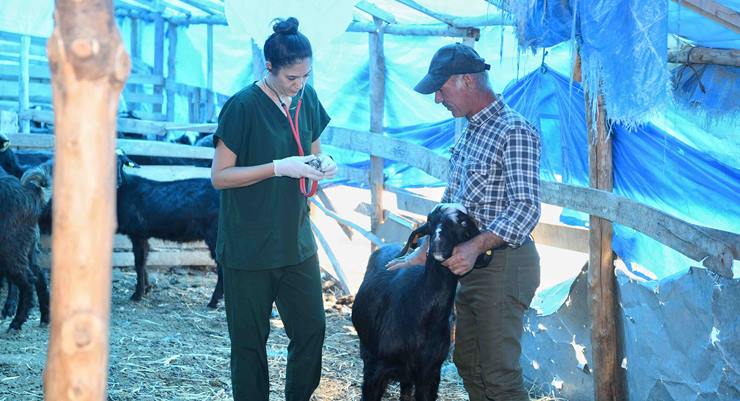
(296,167)
(328,165)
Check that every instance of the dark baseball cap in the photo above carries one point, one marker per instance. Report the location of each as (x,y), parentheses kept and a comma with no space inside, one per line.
(447,61)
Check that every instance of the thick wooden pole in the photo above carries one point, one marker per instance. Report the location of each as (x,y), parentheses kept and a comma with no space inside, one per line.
(605,338)
(89,66)
(170,82)
(24,79)
(377,109)
(704,55)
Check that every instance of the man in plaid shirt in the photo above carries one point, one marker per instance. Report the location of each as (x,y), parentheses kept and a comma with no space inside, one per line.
(494,173)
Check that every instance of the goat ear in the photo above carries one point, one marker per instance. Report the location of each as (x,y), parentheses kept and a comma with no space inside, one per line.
(414,237)
(130,163)
(471,223)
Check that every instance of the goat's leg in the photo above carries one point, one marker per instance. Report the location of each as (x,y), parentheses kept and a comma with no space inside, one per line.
(141,251)
(407,391)
(426,388)
(42,289)
(20,276)
(373,383)
(11,300)
(218,292)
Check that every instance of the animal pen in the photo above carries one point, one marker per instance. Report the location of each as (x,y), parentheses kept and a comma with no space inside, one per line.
(73,81)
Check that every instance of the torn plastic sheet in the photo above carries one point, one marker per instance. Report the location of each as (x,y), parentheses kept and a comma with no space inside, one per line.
(681,340)
(623,47)
(549,360)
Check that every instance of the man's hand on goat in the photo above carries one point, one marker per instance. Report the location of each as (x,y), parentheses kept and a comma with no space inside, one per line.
(297,167)
(415,258)
(463,258)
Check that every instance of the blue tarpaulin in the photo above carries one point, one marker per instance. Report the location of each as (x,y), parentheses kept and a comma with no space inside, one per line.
(690,90)
(651,165)
(623,45)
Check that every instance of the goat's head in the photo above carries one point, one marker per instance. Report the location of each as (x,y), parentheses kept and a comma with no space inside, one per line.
(4,143)
(447,225)
(8,160)
(122,160)
(41,177)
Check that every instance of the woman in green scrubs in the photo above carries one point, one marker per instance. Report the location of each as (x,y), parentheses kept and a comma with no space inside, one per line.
(265,244)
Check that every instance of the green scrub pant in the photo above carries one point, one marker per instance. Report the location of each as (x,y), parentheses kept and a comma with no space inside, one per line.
(490,308)
(297,292)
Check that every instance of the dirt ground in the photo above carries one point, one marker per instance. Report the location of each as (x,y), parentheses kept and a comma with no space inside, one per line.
(170,346)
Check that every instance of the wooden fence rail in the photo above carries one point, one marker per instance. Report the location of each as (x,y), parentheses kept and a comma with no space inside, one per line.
(716,249)
(26,66)
(128,125)
(130,146)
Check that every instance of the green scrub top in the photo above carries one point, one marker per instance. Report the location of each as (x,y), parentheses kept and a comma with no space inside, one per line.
(265,225)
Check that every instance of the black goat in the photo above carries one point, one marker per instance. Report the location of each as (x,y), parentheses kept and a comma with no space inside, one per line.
(11,300)
(23,201)
(8,159)
(206,141)
(170,161)
(10,165)
(402,317)
(180,211)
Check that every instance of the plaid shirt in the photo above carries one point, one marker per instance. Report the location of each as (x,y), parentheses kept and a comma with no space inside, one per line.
(495,173)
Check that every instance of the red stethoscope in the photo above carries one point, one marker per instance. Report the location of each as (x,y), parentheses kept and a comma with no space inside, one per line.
(297,137)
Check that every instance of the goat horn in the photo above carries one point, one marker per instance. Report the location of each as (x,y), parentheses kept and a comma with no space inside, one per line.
(5,146)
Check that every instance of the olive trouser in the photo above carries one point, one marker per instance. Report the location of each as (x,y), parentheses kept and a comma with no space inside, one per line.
(249,295)
(490,308)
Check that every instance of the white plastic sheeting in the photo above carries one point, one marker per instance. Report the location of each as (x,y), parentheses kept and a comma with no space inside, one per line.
(320,20)
(16,17)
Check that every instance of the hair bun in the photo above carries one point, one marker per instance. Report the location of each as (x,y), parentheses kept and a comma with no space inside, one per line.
(286,26)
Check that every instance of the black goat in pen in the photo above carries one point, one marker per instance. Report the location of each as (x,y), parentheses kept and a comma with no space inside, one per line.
(8,160)
(402,317)
(179,211)
(23,201)
(11,166)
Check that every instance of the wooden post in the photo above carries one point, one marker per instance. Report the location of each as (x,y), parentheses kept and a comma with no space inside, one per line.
(24,79)
(210,98)
(135,55)
(195,102)
(577,69)
(89,66)
(704,55)
(170,81)
(158,57)
(377,109)
(605,339)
